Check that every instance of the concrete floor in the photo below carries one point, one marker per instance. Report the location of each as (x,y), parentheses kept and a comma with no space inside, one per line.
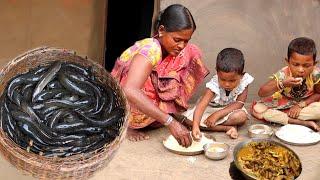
(150,160)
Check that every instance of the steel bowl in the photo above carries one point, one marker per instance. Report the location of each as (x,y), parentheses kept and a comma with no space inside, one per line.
(216,150)
(242,144)
(260,131)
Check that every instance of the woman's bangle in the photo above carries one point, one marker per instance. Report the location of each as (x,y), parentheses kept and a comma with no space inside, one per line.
(169,121)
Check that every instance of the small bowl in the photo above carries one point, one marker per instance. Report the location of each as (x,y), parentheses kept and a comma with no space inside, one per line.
(216,150)
(260,131)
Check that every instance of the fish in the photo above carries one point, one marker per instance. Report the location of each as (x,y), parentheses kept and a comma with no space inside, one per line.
(49,94)
(20,80)
(68,127)
(55,84)
(77,68)
(66,104)
(110,120)
(56,117)
(27,109)
(47,77)
(59,110)
(74,87)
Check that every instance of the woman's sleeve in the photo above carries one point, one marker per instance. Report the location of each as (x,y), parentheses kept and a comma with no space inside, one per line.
(151,50)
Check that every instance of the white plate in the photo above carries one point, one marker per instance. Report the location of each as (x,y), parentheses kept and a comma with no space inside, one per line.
(297,135)
(172,145)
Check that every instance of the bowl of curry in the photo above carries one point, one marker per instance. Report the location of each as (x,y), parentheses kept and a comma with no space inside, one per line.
(266,159)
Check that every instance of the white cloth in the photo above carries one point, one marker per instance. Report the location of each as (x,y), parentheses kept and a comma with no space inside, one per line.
(311,112)
(274,115)
(220,94)
(210,110)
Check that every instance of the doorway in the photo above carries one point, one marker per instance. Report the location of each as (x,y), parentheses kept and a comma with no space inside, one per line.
(127,22)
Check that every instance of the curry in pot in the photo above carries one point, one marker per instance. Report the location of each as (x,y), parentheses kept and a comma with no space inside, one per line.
(265,160)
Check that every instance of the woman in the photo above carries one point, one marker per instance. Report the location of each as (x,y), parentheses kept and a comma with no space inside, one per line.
(159,74)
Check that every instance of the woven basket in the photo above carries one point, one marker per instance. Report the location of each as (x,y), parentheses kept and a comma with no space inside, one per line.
(80,166)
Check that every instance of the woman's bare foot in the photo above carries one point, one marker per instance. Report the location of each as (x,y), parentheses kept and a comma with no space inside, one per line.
(135,135)
(313,125)
(233,133)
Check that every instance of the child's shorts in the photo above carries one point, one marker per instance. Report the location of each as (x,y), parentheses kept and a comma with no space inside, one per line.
(209,110)
(310,112)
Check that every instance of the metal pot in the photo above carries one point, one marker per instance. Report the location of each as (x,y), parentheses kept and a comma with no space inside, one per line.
(242,144)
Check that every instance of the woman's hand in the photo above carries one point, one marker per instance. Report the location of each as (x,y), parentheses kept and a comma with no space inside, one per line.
(294,111)
(181,133)
(196,134)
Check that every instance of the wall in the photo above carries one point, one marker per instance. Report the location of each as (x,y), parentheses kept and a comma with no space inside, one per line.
(261,29)
(72,24)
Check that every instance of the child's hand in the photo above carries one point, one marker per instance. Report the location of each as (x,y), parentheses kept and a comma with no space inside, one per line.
(291,82)
(294,111)
(196,134)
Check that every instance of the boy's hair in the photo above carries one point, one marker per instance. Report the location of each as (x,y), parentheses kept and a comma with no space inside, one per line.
(230,60)
(304,46)
(174,18)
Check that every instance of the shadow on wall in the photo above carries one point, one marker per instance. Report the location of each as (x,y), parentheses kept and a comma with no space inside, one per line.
(261,29)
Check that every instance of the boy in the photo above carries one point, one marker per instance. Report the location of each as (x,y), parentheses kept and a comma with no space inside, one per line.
(292,94)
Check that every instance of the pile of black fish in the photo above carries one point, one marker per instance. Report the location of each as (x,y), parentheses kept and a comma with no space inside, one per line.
(59,110)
